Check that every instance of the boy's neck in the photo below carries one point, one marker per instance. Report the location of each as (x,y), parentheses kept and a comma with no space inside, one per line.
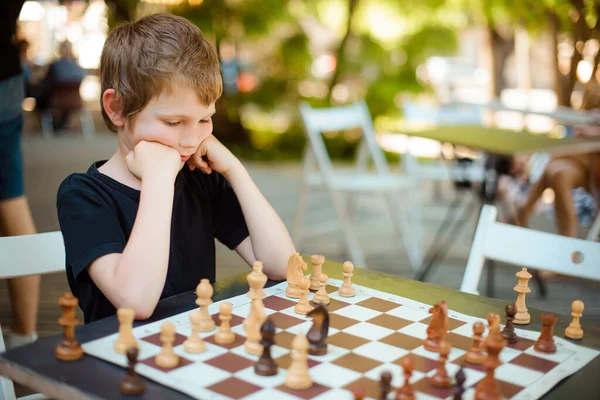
(116,168)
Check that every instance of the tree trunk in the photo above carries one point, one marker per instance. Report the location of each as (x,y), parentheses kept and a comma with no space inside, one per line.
(560,80)
(499,49)
(340,55)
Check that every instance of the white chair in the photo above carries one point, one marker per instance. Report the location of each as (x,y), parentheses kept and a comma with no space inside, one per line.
(527,248)
(42,253)
(319,173)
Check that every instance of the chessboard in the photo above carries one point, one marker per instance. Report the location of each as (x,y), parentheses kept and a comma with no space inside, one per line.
(369,333)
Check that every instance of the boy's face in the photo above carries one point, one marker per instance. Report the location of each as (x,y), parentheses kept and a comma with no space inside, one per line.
(175,118)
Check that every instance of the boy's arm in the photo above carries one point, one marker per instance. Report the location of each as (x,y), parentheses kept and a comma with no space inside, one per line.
(269,239)
(136,277)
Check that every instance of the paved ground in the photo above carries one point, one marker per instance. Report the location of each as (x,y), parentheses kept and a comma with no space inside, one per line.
(49,161)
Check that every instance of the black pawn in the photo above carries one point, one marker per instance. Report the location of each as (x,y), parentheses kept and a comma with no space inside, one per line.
(132,384)
(460,380)
(266,365)
(508,333)
(385,385)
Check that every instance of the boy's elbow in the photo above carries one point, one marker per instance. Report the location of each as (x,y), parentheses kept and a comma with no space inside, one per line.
(141,314)
(142,310)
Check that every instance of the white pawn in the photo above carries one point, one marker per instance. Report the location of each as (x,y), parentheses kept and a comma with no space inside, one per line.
(347,290)
(252,344)
(225,335)
(574,330)
(256,281)
(167,358)
(194,343)
(297,377)
(303,307)
(322,297)
(126,338)
(204,292)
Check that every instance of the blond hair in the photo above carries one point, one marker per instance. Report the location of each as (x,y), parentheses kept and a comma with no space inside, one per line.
(141,59)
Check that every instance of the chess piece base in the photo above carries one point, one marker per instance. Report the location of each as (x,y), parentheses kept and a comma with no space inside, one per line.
(317,302)
(548,348)
(293,292)
(431,345)
(510,337)
(121,347)
(299,382)
(132,385)
(253,348)
(265,369)
(522,319)
(475,358)
(194,346)
(68,350)
(441,381)
(317,350)
(302,309)
(574,333)
(347,291)
(225,337)
(402,394)
(206,326)
(488,391)
(167,360)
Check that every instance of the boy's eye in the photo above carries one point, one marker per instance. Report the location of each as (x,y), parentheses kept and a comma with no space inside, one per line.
(172,123)
(205,121)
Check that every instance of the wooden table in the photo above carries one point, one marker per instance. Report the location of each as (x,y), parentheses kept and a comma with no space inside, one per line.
(35,365)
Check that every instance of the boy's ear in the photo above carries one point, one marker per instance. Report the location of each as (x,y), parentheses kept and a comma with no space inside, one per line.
(112,107)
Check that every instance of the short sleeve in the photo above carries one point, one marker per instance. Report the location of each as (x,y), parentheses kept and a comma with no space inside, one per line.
(229,222)
(90,228)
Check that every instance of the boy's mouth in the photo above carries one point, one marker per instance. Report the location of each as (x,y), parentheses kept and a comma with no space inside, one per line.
(185,158)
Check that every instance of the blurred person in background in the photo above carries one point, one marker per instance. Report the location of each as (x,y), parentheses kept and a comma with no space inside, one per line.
(15,215)
(58,92)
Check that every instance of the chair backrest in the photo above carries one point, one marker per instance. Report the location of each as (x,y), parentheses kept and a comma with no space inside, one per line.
(528,248)
(357,115)
(41,253)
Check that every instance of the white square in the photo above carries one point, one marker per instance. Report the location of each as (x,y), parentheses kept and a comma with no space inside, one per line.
(333,353)
(276,351)
(508,354)
(186,330)
(211,351)
(561,354)
(333,375)
(416,329)
(357,298)
(357,312)
(380,351)
(467,330)
(454,353)
(368,331)
(244,310)
(250,376)
(517,375)
(270,394)
(472,376)
(200,374)
(290,311)
(409,313)
(333,394)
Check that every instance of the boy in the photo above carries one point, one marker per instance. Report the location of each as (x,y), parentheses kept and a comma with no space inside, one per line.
(141,226)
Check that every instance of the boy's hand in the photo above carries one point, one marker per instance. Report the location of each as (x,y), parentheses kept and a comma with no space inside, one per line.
(212,155)
(149,159)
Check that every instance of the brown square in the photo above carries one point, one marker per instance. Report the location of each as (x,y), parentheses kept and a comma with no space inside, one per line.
(375,303)
(461,361)
(452,323)
(313,391)
(389,321)
(238,341)
(230,362)
(335,304)
(356,362)
(402,341)
(284,321)
(424,386)
(151,363)
(339,322)
(533,362)
(285,361)
(277,303)
(459,341)
(155,339)
(235,320)
(370,387)
(234,388)
(346,340)
(509,390)
(422,364)
(284,339)
(522,344)
(331,289)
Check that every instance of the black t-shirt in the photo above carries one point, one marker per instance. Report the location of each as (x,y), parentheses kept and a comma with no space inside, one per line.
(11,63)
(96,215)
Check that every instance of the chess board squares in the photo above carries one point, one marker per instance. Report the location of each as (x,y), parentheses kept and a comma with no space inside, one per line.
(368,331)
(424,386)
(284,339)
(155,339)
(356,362)
(396,371)
(380,351)
(533,362)
(306,325)
(284,321)
(211,351)
(370,386)
(335,305)
(521,344)
(234,388)
(249,375)
(357,312)
(472,376)
(454,353)
(409,313)
(277,303)
(389,321)
(422,364)
(238,341)
(333,352)
(333,375)
(378,304)
(333,394)
(459,341)
(357,298)
(285,361)
(276,351)
(452,322)
(506,355)
(402,341)
(415,329)
(331,289)
(239,313)
(508,390)
(230,362)
(198,375)
(310,393)
(270,393)
(339,322)
(344,340)
(517,375)
(561,354)
(151,363)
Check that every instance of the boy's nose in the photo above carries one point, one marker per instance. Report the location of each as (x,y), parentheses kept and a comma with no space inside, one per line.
(189,140)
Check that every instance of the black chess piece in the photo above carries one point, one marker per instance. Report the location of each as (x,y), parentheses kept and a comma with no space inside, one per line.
(265,365)
(317,334)
(459,389)
(508,333)
(132,384)
(385,385)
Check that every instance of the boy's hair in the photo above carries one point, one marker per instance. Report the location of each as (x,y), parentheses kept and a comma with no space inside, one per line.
(141,59)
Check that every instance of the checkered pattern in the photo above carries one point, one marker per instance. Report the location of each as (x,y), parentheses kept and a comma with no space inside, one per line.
(369,333)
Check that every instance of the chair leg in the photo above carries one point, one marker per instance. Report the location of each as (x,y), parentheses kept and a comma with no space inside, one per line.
(7,389)
(540,283)
(47,122)
(350,239)
(299,217)
(87,123)
(402,225)
(491,271)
